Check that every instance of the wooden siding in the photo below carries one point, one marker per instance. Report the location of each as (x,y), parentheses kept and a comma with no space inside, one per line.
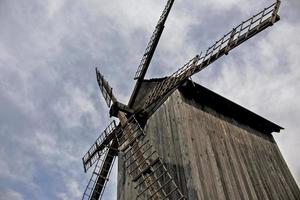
(212,157)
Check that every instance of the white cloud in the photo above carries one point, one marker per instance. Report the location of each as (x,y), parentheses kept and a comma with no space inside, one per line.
(11,195)
(54,6)
(74,106)
(73,190)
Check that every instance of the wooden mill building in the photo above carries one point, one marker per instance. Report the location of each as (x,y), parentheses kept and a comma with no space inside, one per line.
(177,140)
(213,147)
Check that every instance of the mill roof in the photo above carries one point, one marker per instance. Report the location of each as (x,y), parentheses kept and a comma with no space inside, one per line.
(216,102)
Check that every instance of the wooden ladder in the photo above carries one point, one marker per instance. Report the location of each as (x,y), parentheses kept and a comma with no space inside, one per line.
(152,178)
(98,180)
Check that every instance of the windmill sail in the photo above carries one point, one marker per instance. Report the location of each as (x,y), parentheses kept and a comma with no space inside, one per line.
(143,66)
(99,178)
(234,38)
(105,89)
(145,62)
(100,146)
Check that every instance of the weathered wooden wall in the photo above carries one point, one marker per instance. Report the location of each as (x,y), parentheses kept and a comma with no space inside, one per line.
(212,157)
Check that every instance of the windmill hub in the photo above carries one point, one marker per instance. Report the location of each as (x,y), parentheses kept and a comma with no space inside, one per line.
(120,107)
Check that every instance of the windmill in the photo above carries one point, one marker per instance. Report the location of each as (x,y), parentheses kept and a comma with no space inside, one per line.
(128,138)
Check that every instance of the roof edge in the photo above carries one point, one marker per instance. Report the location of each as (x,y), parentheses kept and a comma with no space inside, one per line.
(228,108)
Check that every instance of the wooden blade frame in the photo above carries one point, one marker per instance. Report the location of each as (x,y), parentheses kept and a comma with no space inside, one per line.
(99,178)
(105,88)
(148,54)
(229,41)
(99,147)
(142,68)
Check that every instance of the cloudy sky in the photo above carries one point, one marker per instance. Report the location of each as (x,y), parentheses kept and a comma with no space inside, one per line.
(50,106)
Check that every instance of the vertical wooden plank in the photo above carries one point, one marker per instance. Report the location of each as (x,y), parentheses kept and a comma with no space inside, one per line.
(227,162)
(216,173)
(200,145)
(287,179)
(178,137)
(270,170)
(189,152)
(239,176)
(222,165)
(274,173)
(260,163)
(234,137)
(287,174)
(250,161)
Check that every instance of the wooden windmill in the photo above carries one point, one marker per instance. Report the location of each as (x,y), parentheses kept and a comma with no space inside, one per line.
(140,161)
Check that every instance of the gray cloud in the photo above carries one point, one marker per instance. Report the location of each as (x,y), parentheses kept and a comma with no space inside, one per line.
(50,107)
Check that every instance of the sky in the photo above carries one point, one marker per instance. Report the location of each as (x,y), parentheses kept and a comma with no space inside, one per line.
(51,109)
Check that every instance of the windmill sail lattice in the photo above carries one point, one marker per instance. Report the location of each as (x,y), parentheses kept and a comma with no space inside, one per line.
(105,88)
(143,66)
(100,146)
(232,39)
(99,178)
